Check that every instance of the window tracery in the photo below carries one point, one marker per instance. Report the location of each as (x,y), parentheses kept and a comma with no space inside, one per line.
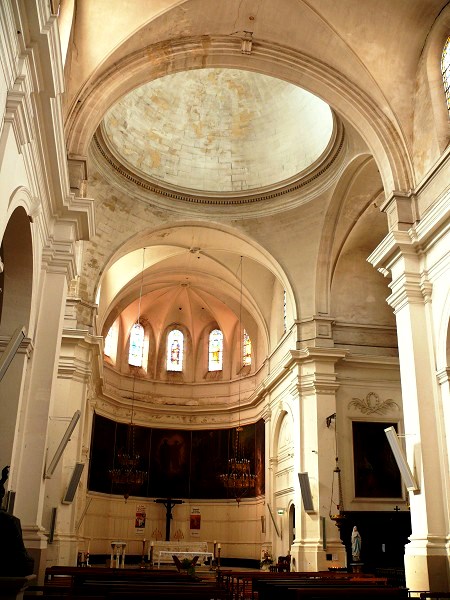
(175,350)
(246,350)
(136,351)
(445,69)
(215,350)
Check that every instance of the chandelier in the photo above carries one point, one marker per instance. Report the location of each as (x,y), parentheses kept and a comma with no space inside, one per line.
(238,479)
(125,473)
(337,513)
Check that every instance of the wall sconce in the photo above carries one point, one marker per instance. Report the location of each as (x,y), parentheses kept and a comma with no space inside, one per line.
(280,511)
(400,459)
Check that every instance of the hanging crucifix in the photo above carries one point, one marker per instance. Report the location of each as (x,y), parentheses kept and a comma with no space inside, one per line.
(169,503)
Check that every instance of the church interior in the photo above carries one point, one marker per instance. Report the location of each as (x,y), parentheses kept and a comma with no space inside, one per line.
(225,281)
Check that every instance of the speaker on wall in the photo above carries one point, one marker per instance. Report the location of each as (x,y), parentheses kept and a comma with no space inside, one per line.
(73,483)
(305,489)
(51,534)
(400,459)
(62,445)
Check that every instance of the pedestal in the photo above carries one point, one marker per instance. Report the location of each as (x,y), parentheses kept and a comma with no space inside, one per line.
(356,567)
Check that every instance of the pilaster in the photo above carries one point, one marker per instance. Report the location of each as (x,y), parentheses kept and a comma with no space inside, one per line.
(404,255)
(317,386)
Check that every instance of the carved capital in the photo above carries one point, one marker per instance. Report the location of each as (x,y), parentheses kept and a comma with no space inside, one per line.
(400,209)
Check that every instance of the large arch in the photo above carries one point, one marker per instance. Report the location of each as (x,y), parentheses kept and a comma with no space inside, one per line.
(352,103)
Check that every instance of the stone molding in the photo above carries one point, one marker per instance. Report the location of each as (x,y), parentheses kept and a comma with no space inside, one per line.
(223,51)
(293,185)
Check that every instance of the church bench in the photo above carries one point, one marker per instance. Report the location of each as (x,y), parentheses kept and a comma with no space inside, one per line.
(303,590)
(244,583)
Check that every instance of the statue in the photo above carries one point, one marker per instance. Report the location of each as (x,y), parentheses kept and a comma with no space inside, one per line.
(356,544)
(14,559)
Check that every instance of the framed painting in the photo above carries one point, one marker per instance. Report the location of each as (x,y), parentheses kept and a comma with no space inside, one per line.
(375,470)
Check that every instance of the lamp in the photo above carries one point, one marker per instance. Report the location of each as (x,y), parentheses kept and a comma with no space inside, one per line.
(336,513)
(127,474)
(400,459)
(238,479)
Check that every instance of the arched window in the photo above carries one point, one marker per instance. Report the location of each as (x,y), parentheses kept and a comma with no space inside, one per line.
(215,350)
(445,68)
(136,351)
(284,311)
(246,350)
(175,349)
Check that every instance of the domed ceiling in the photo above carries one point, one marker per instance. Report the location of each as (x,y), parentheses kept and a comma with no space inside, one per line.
(218,130)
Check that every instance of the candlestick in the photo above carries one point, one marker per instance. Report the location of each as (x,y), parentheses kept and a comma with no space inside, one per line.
(151,554)
(215,549)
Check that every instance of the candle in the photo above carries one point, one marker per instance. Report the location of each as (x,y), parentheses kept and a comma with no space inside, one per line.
(151,543)
(219,546)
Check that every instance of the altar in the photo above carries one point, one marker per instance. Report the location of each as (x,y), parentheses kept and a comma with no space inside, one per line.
(163,551)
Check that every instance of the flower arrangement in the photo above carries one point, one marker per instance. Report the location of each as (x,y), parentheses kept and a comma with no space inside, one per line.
(189,566)
(266,559)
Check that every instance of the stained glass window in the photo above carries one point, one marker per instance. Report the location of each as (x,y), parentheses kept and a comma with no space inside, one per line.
(215,350)
(108,346)
(284,311)
(175,348)
(136,351)
(445,68)
(246,350)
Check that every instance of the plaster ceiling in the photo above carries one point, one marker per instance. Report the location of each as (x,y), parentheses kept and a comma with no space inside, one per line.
(218,130)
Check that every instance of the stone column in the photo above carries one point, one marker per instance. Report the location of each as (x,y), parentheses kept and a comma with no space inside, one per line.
(57,269)
(317,387)
(426,556)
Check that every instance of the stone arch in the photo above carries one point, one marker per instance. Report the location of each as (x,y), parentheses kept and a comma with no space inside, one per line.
(15,313)
(345,97)
(432,54)
(187,374)
(17,257)
(353,221)
(114,293)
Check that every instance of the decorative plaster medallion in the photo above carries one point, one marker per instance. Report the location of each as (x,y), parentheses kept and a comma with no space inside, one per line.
(373,405)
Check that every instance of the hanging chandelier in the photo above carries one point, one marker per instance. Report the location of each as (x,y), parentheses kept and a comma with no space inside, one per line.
(238,479)
(337,512)
(125,473)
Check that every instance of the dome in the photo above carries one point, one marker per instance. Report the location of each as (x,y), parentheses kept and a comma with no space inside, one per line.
(218,130)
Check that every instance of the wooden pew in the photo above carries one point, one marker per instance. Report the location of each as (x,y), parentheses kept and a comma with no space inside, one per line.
(101,583)
(314,589)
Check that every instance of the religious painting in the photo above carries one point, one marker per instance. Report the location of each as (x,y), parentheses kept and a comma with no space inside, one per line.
(140,518)
(195,519)
(178,463)
(375,470)
(170,458)
(209,447)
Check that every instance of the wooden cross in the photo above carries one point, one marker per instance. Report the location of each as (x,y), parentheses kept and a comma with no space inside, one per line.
(169,503)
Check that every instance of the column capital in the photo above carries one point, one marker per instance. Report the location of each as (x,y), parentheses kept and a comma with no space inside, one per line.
(317,369)
(59,257)
(400,208)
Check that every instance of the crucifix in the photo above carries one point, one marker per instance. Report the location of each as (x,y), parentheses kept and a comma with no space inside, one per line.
(169,503)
